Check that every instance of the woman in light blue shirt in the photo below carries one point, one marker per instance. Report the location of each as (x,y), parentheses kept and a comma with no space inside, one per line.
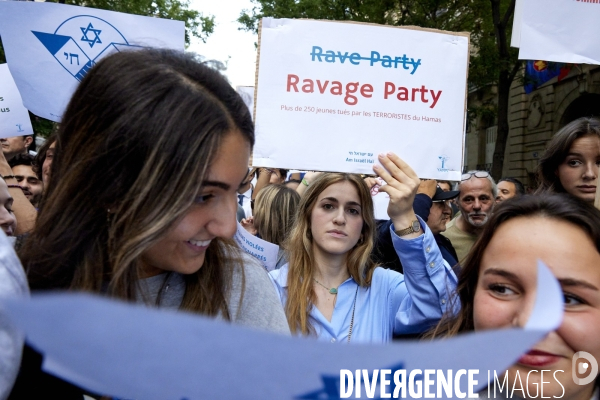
(331,287)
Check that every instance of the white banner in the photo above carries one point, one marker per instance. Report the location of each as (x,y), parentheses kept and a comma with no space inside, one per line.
(560,30)
(331,96)
(50,47)
(135,352)
(14,118)
(263,251)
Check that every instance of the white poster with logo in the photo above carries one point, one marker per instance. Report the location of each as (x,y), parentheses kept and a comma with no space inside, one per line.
(50,47)
(135,352)
(265,252)
(331,96)
(560,30)
(14,118)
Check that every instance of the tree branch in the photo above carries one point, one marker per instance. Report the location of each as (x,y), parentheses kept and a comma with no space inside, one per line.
(509,12)
(514,70)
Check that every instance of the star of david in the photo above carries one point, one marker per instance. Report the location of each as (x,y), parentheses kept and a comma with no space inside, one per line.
(96,32)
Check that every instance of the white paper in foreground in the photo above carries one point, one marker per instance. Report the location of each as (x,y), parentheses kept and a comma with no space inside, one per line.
(14,118)
(263,251)
(331,96)
(560,30)
(134,352)
(50,47)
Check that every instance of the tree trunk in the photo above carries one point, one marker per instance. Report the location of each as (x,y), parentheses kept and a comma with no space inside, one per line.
(502,133)
(505,78)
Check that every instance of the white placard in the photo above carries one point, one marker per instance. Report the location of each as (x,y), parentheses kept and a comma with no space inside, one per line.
(331,96)
(263,251)
(247,94)
(14,118)
(135,352)
(515,40)
(50,47)
(560,30)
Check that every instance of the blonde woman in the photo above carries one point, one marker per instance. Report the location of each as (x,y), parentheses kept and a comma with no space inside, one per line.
(333,290)
(274,212)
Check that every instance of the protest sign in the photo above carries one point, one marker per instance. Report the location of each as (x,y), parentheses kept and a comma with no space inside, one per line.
(247,94)
(560,30)
(331,96)
(263,251)
(50,47)
(14,118)
(144,353)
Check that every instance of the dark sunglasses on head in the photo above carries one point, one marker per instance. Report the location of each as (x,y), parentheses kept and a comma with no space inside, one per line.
(477,174)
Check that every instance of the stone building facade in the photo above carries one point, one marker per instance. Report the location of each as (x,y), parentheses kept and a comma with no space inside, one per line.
(533,119)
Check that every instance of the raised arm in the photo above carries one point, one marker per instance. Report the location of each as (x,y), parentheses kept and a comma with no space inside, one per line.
(309,177)
(262,180)
(421,295)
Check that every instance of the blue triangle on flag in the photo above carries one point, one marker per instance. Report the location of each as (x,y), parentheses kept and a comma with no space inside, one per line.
(52,42)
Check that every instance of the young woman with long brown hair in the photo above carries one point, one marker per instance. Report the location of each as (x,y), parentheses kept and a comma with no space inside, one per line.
(274,212)
(497,289)
(331,287)
(571,161)
(142,196)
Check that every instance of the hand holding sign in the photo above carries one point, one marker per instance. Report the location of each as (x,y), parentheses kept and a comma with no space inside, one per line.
(401,185)
(248,224)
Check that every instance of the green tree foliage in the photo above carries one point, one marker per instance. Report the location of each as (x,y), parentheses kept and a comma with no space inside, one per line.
(493,62)
(196,24)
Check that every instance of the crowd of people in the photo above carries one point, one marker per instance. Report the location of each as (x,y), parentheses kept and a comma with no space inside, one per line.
(138,194)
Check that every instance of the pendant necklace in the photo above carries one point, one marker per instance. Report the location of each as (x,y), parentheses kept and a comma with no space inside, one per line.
(331,290)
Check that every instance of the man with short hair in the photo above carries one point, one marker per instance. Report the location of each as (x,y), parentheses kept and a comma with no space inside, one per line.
(32,186)
(477,191)
(440,213)
(509,188)
(445,185)
(17,145)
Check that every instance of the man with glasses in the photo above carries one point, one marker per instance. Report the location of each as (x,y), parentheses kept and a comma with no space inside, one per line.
(477,192)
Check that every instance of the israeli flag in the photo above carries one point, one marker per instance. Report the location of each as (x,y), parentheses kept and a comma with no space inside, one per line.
(50,47)
(14,118)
